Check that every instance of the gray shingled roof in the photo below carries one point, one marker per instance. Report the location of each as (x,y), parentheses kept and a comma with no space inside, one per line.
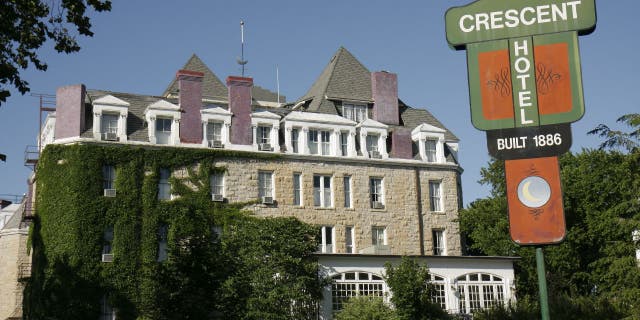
(212,87)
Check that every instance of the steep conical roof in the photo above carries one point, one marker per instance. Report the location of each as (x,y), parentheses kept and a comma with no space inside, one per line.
(212,87)
(344,78)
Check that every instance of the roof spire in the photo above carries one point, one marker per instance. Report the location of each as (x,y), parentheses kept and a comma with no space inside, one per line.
(241,61)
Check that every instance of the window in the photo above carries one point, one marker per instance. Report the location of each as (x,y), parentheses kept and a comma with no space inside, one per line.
(265,184)
(479,290)
(430,150)
(319,142)
(353,284)
(439,293)
(264,134)
(164,188)
(214,132)
(327,239)
(163,249)
(297,189)
(322,191)
(435,199)
(109,126)
(355,112)
(344,144)
(108,240)
(163,130)
(378,236)
(347,191)
(295,136)
(217,183)
(106,311)
(349,235)
(376,191)
(439,248)
(372,144)
(108,177)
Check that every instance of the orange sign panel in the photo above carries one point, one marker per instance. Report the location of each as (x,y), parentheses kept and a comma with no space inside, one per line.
(534,195)
(495,73)
(552,78)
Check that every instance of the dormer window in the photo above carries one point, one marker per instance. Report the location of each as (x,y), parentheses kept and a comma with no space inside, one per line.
(373,139)
(372,144)
(163,122)
(430,141)
(355,112)
(214,133)
(110,119)
(163,130)
(319,134)
(265,127)
(430,148)
(264,136)
(319,142)
(216,122)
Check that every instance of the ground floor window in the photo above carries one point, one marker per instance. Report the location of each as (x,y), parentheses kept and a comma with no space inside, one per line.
(478,291)
(439,293)
(353,284)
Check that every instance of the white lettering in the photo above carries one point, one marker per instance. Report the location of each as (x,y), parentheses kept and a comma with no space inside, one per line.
(500,144)
(462,25)
(522,65)
(524,99)
(523,79)
(543,11)
(574,9)
(496,20)
(482,19)
(556,12)
(523,120)
(525,21)
(512,18)
(524,46)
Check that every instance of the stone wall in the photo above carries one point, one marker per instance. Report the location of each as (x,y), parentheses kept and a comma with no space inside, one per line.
(401,215)
(13,254)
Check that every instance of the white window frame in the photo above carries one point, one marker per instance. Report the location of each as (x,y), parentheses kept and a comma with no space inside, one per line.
(166,110)
(216,181)
(327,244)
(215,115)
(436,203)
(375,235)
(213,131)
(425,132)
(348,193)
(371,127)
(308,121)
(350,239)
(297,189)
(355,112)
(264,135)
(112,106)
(356,283)
(108,177)
(164,184)
(439,296)
(266,184)
(321,192)
(431,150)
(269,120)
(376,190)
(480,291)
(439,242)
(295,140)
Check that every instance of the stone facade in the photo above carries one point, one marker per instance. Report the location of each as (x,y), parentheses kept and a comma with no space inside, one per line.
(14,262)
(406,215)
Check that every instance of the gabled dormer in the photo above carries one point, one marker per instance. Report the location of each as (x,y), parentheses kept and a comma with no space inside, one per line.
(216,122)
(265,126)
(110,119)
(319,134)
(430,141)
(163,119)
(373,139)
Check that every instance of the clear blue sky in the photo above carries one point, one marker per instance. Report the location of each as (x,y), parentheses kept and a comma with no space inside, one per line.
(139,46)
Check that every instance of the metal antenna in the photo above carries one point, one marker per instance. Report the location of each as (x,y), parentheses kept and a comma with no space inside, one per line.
(278,83)
(241,60)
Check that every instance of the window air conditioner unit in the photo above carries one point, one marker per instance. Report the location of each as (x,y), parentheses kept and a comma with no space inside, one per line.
(217,197)
(109,192)
(267,200)
(215,144)
(264,147)
(377,205)
(375,154)
(109,136)
(107,257)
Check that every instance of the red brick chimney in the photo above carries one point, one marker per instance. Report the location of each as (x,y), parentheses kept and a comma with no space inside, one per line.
(190,101)
(240,107)
(384,89)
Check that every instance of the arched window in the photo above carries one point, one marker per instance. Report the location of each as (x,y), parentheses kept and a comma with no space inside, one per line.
(353,284)
(478,291)
(439,294)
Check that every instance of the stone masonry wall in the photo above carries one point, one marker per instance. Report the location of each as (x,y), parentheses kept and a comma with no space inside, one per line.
(400,215)
(13,252)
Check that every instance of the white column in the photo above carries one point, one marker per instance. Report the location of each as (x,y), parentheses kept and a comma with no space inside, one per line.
(335,143)
(304,140)
(97,122)
(151,121)
(287,139)
(254,129)
(175,132)
(382,146)
(273,137)
(363,143)
(122,126)
(351,143)
(225,133)
(205,143)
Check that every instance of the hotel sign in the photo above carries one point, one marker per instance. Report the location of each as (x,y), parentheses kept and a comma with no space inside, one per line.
(523,60)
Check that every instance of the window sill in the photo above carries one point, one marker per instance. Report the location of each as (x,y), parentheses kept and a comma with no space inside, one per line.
(324,208)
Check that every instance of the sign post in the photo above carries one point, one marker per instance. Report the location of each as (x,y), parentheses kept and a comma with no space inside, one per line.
(525,88)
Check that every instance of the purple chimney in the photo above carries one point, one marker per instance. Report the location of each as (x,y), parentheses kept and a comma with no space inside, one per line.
(401,144)
(384,88)
(69,111)
(240,107)
(190,100)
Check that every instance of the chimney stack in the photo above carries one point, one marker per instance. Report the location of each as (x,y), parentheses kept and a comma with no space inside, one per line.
(240,107)
(384,88)
(70,111)
(190,101)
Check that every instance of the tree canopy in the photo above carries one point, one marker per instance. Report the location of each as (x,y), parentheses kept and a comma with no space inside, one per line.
(601,194)
(25,25)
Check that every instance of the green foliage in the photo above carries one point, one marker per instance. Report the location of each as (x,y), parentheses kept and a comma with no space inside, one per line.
(366,308)
(596,262)
(255,270)
(26,25)
(629,141)
(409,282)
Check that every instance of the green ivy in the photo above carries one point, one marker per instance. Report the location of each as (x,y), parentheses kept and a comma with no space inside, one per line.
(257,269)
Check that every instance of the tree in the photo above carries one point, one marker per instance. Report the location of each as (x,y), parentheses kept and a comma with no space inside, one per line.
(366,308)
(410,284)
(628,141)
(25,25)
(596,262)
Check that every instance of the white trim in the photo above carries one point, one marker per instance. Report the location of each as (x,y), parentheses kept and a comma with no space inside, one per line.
(426,131)
(110,105)
(163,109)
(216,114)
(305,121)
(266,119)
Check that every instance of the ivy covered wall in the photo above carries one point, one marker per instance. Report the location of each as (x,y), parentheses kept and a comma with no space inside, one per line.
(254,270)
